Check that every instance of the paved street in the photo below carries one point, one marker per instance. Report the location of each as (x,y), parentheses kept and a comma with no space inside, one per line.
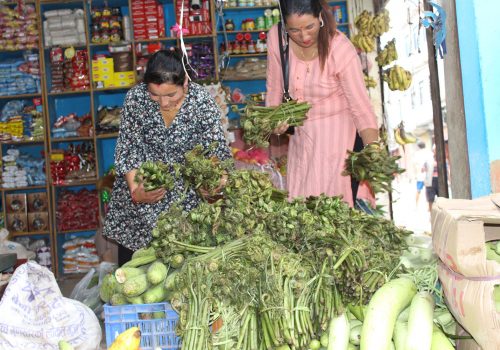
(407,212)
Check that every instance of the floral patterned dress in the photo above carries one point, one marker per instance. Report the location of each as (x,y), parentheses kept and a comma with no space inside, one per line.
(144,136)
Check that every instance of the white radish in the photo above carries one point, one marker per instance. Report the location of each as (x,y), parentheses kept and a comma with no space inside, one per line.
(339,330)
(420,322)
(382,312)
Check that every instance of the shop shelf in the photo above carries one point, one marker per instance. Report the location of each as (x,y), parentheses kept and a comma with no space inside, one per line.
(112,88)
(18,50)
(107,135)
(22,142)
(186,37)
(243,31)
(76,183)
(77,230)
(155,40)
(257,54)
(24,188)
(108,44)
(248,7)
(76,92)
(71,139)
(77,47)
(13,97)
(33,233)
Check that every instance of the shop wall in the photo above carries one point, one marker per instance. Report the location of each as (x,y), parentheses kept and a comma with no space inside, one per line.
(478,34)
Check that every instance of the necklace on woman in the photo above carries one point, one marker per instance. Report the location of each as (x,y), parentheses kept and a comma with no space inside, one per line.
(307,60)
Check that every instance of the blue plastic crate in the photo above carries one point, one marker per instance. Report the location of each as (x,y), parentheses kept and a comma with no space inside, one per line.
(155,333)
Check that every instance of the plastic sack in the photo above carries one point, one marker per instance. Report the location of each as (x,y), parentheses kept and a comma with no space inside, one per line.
(14,247)
(87,290)
(39,316)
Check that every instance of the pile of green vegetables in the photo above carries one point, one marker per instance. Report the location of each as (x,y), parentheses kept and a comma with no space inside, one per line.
(258,122)
(154,175)
(256,271)
(202,170)
(199,169)
(373,164)
(276,271)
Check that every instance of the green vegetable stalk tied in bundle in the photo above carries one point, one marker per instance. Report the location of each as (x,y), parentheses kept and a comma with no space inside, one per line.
(258,122)
(202,170)
(155,175)
(374,165)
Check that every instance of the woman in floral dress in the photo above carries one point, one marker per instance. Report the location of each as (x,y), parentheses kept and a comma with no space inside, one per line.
(162,118)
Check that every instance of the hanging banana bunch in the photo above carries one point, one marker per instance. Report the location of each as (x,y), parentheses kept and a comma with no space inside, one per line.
(397,78)
(364,39)
(363,22)
(364,42)
(370,82)
(403,137)
(380,23)
(388,54)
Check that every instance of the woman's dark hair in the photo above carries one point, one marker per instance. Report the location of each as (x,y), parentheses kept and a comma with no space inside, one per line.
(314,8)
(165,67)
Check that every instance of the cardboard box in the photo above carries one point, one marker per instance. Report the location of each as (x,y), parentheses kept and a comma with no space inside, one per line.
(15,203)
(471,303)
(37,202)
(105,65)
(38,221)
(460,230)
(95,65)
(17,222)
(109,83)
(122,83)
(137,4)
(129,76)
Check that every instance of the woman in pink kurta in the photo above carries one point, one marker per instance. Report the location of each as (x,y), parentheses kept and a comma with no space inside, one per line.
(336,92)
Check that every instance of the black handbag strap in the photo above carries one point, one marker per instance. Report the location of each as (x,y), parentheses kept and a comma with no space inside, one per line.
(284,54)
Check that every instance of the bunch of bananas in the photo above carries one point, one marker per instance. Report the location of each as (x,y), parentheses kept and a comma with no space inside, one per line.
(403,137)
(372,26)
(397,78)
(364,42)
(380,23)
(388,54)
(363,22)
(370,82)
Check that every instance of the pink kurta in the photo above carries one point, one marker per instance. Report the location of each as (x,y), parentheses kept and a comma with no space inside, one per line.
(340,105)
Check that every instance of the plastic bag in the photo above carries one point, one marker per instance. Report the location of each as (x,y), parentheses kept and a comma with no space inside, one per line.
(39,316)
(87,290)
(275,176)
